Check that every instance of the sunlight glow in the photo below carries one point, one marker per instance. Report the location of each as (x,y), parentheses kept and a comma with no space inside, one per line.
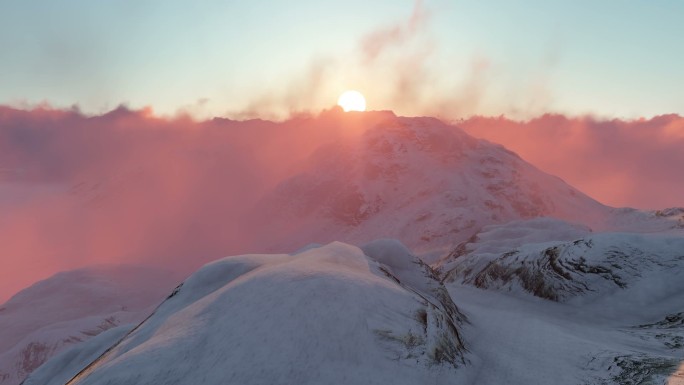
(352,101)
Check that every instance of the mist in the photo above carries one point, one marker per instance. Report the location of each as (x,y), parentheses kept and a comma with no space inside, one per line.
(631,163)
(130,187)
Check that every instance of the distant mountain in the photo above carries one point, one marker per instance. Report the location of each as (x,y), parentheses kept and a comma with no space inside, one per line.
(333,313)
(68,308)
(417,179)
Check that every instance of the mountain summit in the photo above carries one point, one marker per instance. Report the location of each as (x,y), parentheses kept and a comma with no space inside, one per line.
(419,180)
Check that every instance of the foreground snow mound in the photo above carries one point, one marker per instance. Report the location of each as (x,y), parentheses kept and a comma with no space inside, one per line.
(330,314)
(615,268)
(72,307)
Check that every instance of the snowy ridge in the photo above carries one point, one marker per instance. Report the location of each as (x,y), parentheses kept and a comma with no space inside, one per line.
(593,266)
(305,318)
(422,181)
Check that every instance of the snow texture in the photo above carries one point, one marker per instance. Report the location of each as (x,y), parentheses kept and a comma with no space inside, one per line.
(330,314)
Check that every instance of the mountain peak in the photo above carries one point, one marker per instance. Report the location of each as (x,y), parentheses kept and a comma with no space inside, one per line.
(421,180)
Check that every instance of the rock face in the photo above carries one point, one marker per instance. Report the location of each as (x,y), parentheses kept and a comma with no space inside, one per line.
(72,307)
(371,315)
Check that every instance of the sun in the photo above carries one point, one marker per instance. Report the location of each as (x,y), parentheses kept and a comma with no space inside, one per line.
(352,101)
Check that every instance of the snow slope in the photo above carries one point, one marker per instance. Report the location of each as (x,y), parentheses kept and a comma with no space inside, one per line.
(339,314)
(525,340)
(637,268)
(586,308)
(331,314)
(65,365)
(72,307)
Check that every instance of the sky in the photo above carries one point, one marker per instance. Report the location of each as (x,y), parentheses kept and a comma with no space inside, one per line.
(271,58)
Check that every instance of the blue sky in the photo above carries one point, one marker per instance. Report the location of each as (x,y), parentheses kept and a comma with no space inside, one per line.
(513,57)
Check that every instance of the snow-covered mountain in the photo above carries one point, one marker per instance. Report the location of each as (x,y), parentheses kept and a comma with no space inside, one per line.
(419,180)
(328,314)
(68,308)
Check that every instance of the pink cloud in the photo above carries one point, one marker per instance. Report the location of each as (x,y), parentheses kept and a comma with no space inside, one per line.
(634,163)
(129,187)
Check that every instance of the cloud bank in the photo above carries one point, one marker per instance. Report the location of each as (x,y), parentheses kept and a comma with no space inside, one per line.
(635,163)
(129,187)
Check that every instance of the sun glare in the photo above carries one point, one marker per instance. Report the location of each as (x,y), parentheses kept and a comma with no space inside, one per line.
(352,101)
